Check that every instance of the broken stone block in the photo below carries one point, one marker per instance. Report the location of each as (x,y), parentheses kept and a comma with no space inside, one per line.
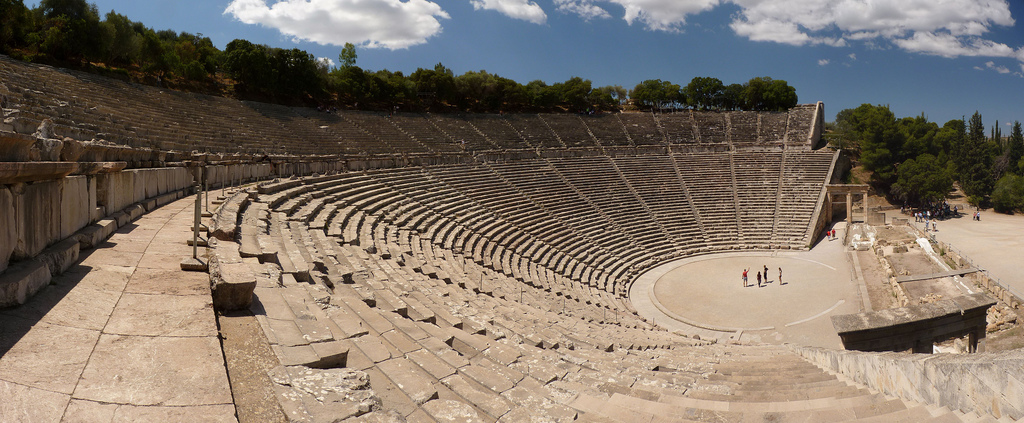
(233,284)
(22,281)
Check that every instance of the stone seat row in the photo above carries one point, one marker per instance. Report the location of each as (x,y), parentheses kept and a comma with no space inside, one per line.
(138,115)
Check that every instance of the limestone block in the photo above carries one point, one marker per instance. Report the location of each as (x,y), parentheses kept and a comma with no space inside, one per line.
(233,285)
(71,150)
(8,228)
(75,208)
(61,256)
(37,215)
(139,185)
(15,147)
(95,213)
(115,191)
(46,150)
(22,281)
(152,178)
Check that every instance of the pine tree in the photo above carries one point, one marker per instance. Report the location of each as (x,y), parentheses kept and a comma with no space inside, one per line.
(973,163)
(1015,148)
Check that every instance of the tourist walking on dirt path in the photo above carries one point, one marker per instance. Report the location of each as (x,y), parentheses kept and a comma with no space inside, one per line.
(780,277)
(758,279)
(745,277)
(766,274)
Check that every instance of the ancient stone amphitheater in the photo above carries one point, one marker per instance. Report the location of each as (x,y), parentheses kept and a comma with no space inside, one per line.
(424,267)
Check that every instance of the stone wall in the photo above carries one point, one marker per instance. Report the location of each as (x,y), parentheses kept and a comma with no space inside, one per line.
(45,223)
(989,384)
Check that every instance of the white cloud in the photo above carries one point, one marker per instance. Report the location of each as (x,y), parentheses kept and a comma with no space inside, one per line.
(325,62)
(1001,69)
(391,24)
(948,28)
(852,56)
(584,8)
(518,9)
(663,15)
(822,62)
(949,45)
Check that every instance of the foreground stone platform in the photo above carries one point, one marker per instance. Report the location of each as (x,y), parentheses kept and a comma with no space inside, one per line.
(123,335)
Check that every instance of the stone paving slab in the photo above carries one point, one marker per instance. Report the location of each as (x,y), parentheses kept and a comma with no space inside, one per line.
(144,370)
(49,357)
(24,404)
(91,411)
(123,335)
(163,315)
(168,281)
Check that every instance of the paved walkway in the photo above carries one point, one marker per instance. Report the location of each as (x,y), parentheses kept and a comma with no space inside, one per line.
(122,336)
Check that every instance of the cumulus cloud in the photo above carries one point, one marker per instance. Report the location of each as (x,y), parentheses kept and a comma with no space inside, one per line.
(663,15)
(583,8)
(852,56)
(948,28)
(519,9)
(391,24)
(822,62)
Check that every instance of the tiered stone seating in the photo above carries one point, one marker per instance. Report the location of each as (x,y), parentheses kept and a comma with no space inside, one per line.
(743,128)
(499,132)
(84,107)
(599,181)
(460,129)
(570,129)
(422,130)
(641,128)
(492,288)
(383,129)
(603,242)
(773,126)
(757,183)
(607,129)
(709,179)
(711,127)
(801,181)
(535,131)
(678,127)
(347,137)
(439,337)
(656,182)
(798,131)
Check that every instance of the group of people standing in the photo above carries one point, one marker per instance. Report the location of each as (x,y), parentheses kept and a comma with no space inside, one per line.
(760,277)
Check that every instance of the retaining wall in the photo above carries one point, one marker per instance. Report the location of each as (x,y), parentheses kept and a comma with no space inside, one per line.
(991,384)
(44,224)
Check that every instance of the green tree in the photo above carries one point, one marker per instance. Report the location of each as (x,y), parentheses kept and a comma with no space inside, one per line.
(973,161)
(1015,148)
(347,57)
(123,42)
(656,94)
(767,94)
(1008,195)
(439,82)
(249,65)
(919,135)
(732,97)
(874,130)
(16,22)
(922,180)
(704,92)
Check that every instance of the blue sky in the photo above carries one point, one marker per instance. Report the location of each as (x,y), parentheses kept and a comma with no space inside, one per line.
(945,58)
